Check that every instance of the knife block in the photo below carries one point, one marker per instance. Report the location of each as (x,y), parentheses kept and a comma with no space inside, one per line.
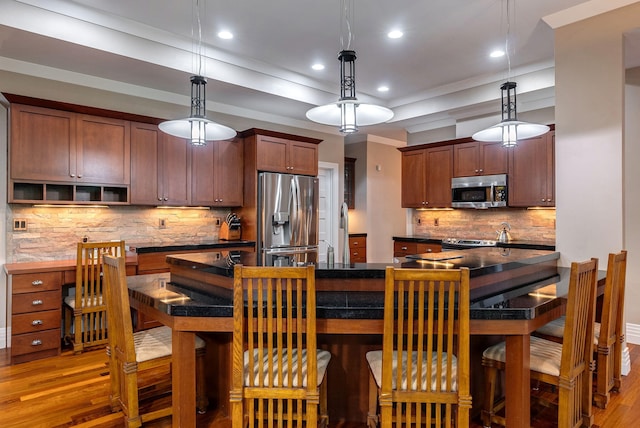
(229,233)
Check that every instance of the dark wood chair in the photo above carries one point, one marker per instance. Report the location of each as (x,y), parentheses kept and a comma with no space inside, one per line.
(566,366)
(421,377)
(130,353)
(608,333)
(86,310)
(278,373)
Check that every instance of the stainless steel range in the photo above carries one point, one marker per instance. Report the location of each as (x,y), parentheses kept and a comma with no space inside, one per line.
(461,244)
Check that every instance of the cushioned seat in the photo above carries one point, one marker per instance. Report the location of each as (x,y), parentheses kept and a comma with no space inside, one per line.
(323,358)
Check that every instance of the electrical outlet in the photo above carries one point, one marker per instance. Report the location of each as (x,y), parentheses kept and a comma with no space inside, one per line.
(217,221)
(162,223)
(418,220)
(436,221)
(19,225)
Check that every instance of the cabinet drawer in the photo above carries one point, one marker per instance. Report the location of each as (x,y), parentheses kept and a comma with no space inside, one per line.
(404,248)
(358,255)
(36,302)
(35,342)
(31,282)
(428,248)
(35,321)
(357,243)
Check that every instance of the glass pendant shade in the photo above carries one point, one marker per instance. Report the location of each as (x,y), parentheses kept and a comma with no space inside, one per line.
(197,128)
(347,113)
(510,129)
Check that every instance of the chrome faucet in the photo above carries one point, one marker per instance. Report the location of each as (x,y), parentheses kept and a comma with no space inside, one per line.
(344,224)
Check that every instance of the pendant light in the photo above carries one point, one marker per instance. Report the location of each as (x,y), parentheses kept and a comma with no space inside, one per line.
(510,129)
(348,113)
(197,128)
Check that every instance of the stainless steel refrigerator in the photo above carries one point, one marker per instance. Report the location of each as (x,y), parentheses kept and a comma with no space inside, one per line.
(287,219)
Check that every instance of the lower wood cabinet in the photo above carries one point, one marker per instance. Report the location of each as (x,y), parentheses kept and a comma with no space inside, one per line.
(358,248)
(36,315)
(407,248)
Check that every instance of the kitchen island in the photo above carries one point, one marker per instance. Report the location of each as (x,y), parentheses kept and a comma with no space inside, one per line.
(515,292)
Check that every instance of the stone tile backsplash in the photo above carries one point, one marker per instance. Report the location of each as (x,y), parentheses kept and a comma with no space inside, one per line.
(527,225)
(53,233)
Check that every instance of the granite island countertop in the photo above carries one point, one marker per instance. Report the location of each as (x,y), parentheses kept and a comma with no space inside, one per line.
(180,296)
(516,243)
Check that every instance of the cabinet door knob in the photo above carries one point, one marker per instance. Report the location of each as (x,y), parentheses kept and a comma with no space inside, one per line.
(79,175)
(72,175)
(428,250)
(36,322)
(36,342)
(166,199)
(37,282)
(37,302)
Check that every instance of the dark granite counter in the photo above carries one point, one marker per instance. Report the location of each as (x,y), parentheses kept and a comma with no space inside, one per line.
(521,296)
(211,245)
(526,302)
(519,243)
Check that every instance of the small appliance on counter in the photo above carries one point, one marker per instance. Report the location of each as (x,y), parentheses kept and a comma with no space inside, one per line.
(231,229)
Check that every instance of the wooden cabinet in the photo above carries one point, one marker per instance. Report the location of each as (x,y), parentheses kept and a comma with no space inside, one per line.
(350,182)
(53,145)
(289,156)
(35,315)
(426,177)
(532,173)
(217,174)
(407,248)
(159,167)
(61,157)
(479,158)
(358,248)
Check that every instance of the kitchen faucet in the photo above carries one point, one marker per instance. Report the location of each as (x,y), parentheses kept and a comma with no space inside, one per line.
(344,224)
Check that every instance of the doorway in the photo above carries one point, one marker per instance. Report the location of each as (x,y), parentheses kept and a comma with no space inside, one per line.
(328,207)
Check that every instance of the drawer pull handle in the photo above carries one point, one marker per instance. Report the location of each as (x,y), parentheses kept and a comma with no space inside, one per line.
(36,322)
(37,282)
(404,248)
(36,342)
(37,302)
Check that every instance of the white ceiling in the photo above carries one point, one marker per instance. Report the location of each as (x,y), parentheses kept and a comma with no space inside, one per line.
(438,73)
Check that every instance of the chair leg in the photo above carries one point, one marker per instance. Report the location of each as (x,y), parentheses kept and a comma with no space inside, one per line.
(372,416)
(202,401)
(490,379)
(324,412)
(604,377)
(77,334)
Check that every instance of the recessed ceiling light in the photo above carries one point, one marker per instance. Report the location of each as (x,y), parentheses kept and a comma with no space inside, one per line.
(317,67)
(498,53)
(225,35)
(383,88)
(395,34)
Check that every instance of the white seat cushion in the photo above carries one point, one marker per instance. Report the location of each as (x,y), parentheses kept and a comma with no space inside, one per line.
(156,343)
(555,328)
(545,355)
(323,362)
(71,301)
(374,358)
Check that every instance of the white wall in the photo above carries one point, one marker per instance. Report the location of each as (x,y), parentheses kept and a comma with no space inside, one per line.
(596,195)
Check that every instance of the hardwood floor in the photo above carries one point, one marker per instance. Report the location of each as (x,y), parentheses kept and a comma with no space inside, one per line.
(73,390)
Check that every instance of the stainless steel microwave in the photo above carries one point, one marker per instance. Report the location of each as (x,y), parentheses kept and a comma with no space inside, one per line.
(482,191)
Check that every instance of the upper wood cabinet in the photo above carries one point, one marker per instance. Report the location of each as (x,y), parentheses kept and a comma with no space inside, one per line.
(159,167)
(61,146)
(426,177)
(532,172)
(217,174)
(288,156)
(479,158)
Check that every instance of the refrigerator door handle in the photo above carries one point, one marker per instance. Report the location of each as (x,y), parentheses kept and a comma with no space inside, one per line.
(295,250)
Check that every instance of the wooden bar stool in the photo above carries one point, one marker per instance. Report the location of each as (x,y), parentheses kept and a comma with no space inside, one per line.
(132,353)
(278,374)
(421,376)
(608,333)
(567,366)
